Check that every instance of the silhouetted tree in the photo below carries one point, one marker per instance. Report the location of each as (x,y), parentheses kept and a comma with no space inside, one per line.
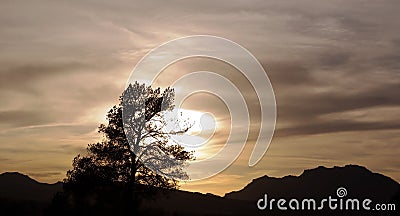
(135,156)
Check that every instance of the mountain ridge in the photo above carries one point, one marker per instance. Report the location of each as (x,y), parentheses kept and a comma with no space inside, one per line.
(15,174)
(321,181)
(18,186)
(318,182)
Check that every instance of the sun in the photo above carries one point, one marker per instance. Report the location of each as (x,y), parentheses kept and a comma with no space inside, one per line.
(203,127)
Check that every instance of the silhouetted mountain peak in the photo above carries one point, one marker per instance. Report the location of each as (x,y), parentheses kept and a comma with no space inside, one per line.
(321,181)
(347,168)
(14,185)
(16,177)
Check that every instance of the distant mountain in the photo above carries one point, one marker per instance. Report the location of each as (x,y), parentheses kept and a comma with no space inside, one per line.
(21,195)
(322,182)
(317,183)
(16,186)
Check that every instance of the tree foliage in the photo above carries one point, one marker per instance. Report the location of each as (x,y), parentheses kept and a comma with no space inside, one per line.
(115,159)
(136,152)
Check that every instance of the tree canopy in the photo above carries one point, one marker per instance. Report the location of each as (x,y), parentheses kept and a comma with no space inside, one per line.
(136,152)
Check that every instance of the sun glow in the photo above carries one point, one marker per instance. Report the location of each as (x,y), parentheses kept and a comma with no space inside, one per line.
(95,115)
(203,126)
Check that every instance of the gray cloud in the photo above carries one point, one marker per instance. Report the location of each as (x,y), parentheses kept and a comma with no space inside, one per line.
(315,127)
(23,118)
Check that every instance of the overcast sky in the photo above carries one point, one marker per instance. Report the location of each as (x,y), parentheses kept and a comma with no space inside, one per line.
(334,66)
